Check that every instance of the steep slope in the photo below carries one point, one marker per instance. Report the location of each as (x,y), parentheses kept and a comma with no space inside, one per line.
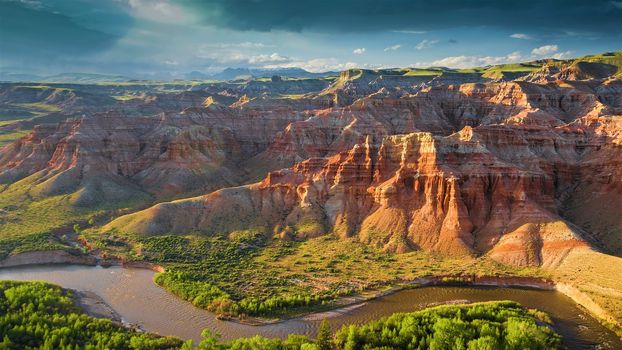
(492,190)
(91,155)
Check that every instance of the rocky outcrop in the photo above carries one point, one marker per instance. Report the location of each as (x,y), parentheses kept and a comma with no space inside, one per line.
(493,189)
(112,157)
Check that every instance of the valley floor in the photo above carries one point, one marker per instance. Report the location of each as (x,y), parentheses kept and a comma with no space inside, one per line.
(319,274)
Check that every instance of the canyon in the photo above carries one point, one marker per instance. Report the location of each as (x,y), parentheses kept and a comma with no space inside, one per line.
(523,169)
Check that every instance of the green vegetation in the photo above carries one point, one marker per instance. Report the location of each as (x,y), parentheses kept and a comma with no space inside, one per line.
(40,106)
(498,71)
(29,222)
(201,294)
(324,336)
(293,342)
(7,138)
(424,72)
(36,315)
(126,97)
(23,112)
(10,119)
(45,87)
(292,96)
(36,242)
(26,209)
(612,58)
(219,272)
(491,325)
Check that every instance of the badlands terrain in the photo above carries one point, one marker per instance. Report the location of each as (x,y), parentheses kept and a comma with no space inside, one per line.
(330,185)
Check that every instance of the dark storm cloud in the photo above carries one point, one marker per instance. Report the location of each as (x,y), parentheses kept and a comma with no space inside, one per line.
(596,16)
(57,28)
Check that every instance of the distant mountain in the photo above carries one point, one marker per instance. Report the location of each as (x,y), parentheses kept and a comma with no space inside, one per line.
(587,67)
(84,78)
(196,75)
(250,73)
(15,77)
(227,74)
(75,78)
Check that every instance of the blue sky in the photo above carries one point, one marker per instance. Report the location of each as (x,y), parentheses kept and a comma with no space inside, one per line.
(173,37)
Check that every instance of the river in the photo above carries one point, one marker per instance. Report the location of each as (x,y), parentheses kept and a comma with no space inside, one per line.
(132,294)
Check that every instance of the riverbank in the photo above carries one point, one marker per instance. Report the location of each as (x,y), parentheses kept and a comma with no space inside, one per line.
(348,303)
(68,258)
(344,304)
(94,306)
(47,257)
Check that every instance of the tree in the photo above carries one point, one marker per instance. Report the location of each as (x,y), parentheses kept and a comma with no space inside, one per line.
(210,340)
(324,336)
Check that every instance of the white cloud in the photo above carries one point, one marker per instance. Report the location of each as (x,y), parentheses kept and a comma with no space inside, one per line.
(317,65)
(514,57)
(268,59)
(425,44)
(243,45)
(393,48)
(35,4)
(472,61)
(158,10)
(242,59)
(410,31)
(562,55)
(521,36)
(359,51)
(481,61)
(545,50)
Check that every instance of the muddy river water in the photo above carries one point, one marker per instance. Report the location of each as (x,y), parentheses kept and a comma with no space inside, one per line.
(132,294)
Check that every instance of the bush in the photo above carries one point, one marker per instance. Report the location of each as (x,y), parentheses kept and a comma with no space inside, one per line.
(492,325)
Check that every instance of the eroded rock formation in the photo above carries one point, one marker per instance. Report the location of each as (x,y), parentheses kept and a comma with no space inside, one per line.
(512,169)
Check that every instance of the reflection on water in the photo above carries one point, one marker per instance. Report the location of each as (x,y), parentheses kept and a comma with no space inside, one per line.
(137,299)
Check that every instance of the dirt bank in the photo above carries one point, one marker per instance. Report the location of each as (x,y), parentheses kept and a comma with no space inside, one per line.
(591,306)
(95,306)
(47,257)
(66,257)
(142,265)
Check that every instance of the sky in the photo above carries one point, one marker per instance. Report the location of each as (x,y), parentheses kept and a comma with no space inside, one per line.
(169,38)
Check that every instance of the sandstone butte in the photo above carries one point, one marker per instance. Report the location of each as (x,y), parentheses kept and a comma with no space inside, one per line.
(527,172)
